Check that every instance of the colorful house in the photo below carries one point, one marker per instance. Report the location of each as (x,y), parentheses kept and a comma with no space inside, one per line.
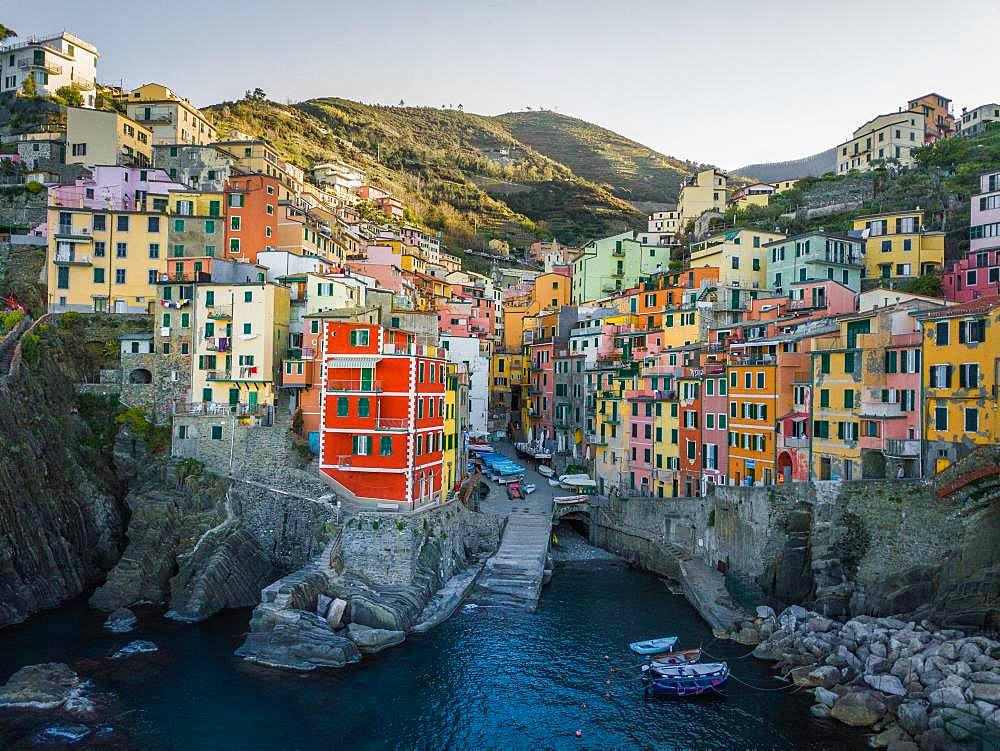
(814,256)
(978,274)
(705,191)
(898,247)
(960,353)
(740,255)
(613,264)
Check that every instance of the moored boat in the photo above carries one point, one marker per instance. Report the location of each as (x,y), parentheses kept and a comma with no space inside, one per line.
(653,646)
(545,470)
(689,680)
(673,659)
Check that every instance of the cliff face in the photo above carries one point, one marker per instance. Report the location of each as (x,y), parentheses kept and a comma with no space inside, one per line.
(61,517)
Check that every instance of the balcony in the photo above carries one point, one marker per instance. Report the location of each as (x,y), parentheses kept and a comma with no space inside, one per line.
(360,386)
(164,119)
(796,442)
(597,440)
(216,409)
(71,258)
(52,70)
(67,231)
(218,344)
(664,475)
(221,312)
(901,447)
(217,375)
(344,460)
(392,423)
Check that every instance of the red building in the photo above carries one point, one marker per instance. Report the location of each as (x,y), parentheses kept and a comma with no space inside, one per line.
(689,427)
(381,414)
(251,215)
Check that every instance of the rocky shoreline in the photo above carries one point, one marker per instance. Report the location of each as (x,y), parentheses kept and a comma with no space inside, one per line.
(911,684)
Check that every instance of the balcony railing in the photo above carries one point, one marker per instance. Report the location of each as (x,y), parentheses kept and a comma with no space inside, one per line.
(66,230)
(392,423)
(216,409)
(162,119)
(796,442)
(902,447)
(354,385)
(64,258)
(49,68)
(221,312)
(218,344)
(344,460)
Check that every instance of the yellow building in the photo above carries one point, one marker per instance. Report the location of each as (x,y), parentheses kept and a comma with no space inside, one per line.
(884,138)
(106,138)
(172,119)
(240,338)
(755,194)
(738,254)
(703,192)
(961,363)
(836,406)
(104,260)
(260,158)
(897,245)
(196,226)
(666,444)
(780,186)
(304,231)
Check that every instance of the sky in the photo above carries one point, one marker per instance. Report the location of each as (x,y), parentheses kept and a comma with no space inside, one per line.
(724,82)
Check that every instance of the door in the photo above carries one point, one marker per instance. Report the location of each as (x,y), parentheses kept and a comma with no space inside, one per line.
(824,468)
(120,306)
(234,397)
(848,469)
(366,379)
(252,401)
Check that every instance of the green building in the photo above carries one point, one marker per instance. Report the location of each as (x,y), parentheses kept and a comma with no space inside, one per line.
(814,256)
(612,264)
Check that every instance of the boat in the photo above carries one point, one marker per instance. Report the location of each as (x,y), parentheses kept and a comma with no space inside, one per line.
(653,646)
(554,482)
(545,470)
(578,484)
(568,500)
(673,659)
(529,487)
(688,680)
(484,448)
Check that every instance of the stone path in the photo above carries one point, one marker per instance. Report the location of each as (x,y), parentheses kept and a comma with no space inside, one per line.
(514,576)
(705,589)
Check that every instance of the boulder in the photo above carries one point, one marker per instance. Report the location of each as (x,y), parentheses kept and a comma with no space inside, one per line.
(300,641)
(989,692)
(372,640)
(763,611)
(947,696)
(323,603)
(770,650)
(747,636)
(887,684)
(137,647)
(121,621)
(819,624)
(819,711)
(809,676)
(887,737)
(912,717)
(985,676)
(859,708)
(335,613)
(969,652)
(877,649)
(948,651)
(45,686)
(825,696)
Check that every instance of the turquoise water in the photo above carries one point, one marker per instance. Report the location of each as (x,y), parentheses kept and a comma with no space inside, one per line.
(486,679)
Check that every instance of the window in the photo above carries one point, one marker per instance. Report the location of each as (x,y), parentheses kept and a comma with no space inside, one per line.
(849,362)
(236,200)
(821,429)
(890,361)
(99,248)
(968,375)
(119,276)
(216,432)
(971,420)
(760,379)
(100,222)
(361,445)
(940,376)
(234,223)
(79,149)
(359,337)
(121,250)
(248,296)
(154,250)
(98,276)
(62,281)
(178,225)
(972,332)
(824,363)
(385,446)
(941,332)
(363,407)
(848,399)
(824,397)
(940,418)
(122,223)
(736,262)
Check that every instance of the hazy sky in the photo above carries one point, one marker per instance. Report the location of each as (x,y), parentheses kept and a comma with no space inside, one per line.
(724,82)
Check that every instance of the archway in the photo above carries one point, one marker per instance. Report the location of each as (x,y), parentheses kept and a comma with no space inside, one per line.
(784,467)
(140,375)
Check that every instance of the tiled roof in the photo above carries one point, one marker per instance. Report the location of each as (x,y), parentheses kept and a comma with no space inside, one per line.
(979,305)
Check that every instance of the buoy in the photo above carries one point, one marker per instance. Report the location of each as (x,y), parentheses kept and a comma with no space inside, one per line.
(606,657)
(579,733)
(583,705)
(607,682)
(607,695)
(612,668)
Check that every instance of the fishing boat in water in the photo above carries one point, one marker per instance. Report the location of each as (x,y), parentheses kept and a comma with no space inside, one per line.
(673,659)
(688,680)
(653,646)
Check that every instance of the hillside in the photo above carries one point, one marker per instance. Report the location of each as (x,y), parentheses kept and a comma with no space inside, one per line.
(809,166)
(627,169)
(462,173)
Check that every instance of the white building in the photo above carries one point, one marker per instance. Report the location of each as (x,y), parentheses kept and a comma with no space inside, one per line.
(53,62)
(342,178)
(468,351)
(973,122)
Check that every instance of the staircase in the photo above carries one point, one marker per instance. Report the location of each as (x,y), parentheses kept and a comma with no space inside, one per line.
(514,576)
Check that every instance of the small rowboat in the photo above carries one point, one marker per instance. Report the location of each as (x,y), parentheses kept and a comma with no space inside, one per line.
(545,470)
(689,680)
(653,646)
(673,659)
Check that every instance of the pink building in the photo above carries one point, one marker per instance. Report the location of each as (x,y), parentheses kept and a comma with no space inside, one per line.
(118,188)
(455,318)
(642,405)
(541,389)
(792,441)
(978,274)
(714,409)
(819,299)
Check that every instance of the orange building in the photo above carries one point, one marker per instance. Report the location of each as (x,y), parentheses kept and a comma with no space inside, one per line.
(251,215)
(939,122)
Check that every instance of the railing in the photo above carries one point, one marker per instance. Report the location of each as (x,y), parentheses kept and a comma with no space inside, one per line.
(162,119)
(220,311)
(217,344)
(354,385)
(217,375)
(67,229)
(216,409)
(49,68)
(344,460)
(902,447)
(796,442)
(65,258)
(392,423)
(664,475)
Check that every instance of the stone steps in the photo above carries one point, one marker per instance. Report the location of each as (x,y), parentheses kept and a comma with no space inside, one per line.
(513,576)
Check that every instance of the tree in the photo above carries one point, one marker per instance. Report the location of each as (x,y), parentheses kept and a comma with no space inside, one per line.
(69,95)
(402,103)
(6,32)
(460,108)
(928,285)
(29,87)
(259,94)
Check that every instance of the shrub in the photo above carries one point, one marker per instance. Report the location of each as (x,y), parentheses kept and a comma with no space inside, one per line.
(30,348)
(34,187)
(156,438)
(9,320)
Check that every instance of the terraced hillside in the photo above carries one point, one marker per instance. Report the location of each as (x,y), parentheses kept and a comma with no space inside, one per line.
(462,173)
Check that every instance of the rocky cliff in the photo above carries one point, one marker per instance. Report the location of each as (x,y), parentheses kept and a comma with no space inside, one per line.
(61,490)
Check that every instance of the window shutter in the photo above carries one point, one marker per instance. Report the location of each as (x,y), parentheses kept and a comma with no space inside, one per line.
(961,332)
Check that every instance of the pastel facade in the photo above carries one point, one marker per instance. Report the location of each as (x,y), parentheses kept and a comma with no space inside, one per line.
(938,119)
(812,257)
(885,138)
(740,255)
(978,274)
(172,119)
(975,121)
(53,62)
(706,191)
(898,247)
(612,264)
(101,137)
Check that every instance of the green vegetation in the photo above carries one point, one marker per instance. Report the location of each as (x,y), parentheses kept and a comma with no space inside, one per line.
(156,438)
(625,168)
(71,96)
(467,175)
(10,319)
(30,348)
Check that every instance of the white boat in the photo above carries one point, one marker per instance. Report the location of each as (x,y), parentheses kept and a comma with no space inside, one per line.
(542,454)
(577,483)
(652,646)
(545,470)
(529,487)
(554,482)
